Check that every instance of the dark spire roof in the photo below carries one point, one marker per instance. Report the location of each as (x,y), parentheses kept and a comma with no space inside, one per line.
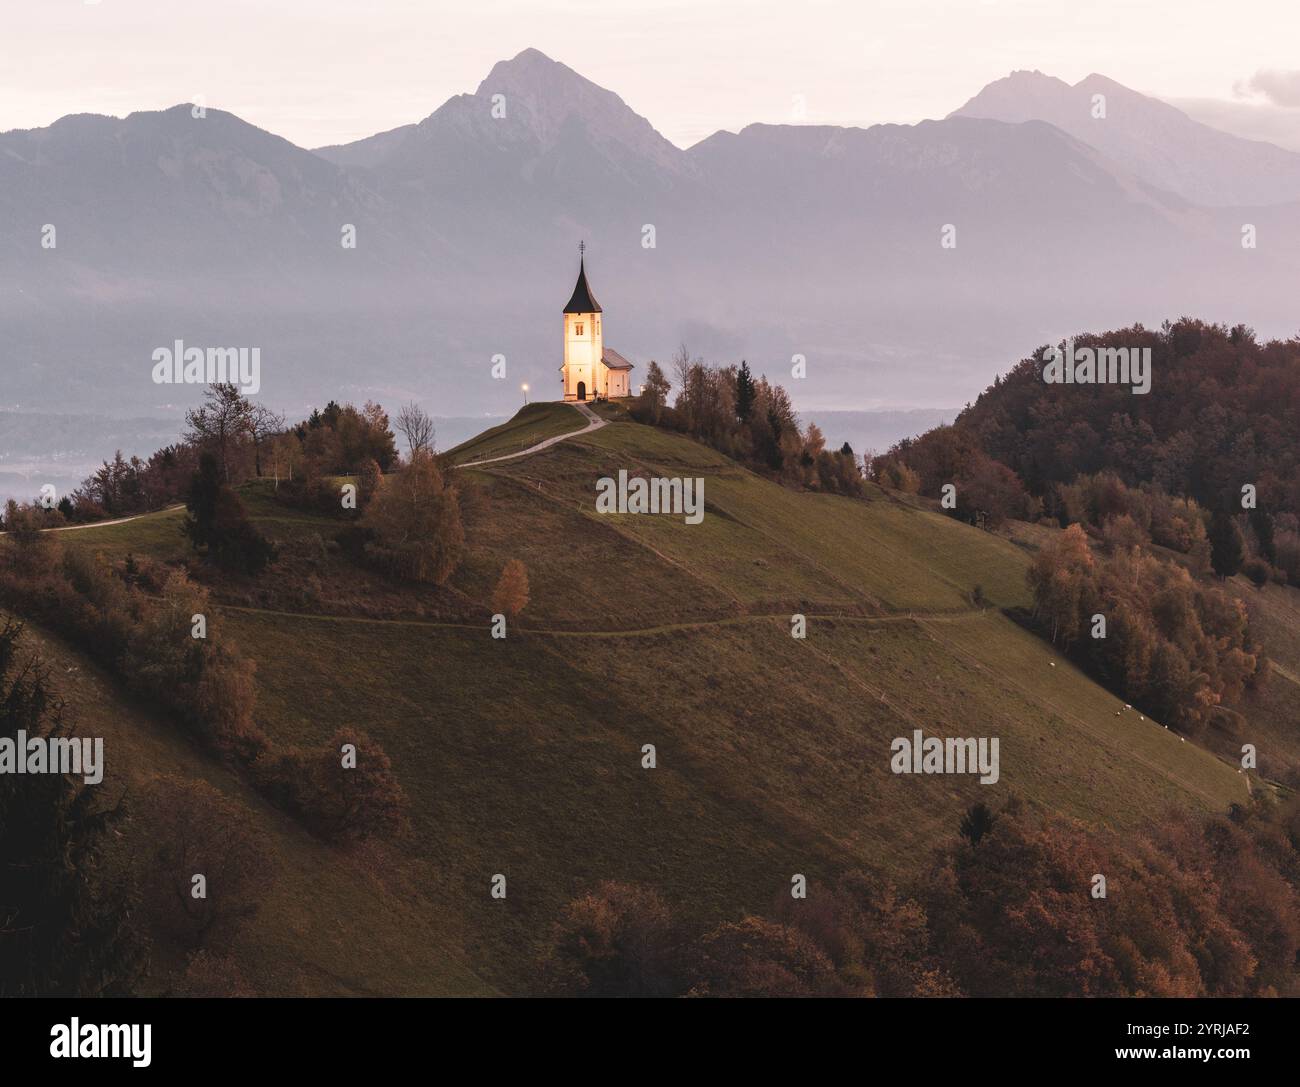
(583,301)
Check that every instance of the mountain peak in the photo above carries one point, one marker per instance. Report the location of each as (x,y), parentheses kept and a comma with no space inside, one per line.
(1027,76)
(531,57)
(529,67)
(1149,138)
(1023,95)
(545,95)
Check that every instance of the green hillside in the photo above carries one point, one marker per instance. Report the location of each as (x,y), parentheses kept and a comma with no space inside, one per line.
(316,933)
(531,425)
(522,756)
(1270,717)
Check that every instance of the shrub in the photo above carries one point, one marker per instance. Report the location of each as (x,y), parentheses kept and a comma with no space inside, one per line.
(34,549)
(1258,571)
(201,832)
(339,795)
(619,940)
(755,957)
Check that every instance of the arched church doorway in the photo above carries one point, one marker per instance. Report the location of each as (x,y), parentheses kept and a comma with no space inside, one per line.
(582,390)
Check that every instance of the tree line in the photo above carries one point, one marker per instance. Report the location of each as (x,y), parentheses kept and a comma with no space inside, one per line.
(1011,907)
(748,419)
(1174,646)
(1223,413)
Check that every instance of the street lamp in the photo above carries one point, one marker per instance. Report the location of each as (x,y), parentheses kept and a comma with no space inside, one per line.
(525,388)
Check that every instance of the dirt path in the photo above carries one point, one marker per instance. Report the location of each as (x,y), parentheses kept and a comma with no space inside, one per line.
(115,521)
(634,632)
(594,422)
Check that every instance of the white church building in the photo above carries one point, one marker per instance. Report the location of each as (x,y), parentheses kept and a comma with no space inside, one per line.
(591,371)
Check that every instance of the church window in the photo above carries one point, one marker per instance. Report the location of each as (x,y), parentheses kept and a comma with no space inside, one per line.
(577,329)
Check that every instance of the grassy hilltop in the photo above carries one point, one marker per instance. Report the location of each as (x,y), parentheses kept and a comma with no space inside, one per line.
(522,756)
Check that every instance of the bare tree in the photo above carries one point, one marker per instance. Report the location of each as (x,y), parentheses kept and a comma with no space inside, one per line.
(263,425)
(220,424)
(417,427)
(681,367)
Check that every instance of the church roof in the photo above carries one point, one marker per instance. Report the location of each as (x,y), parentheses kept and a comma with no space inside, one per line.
(583,301)
(613,359)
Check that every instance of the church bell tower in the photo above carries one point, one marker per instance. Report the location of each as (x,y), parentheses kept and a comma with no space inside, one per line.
(583,341)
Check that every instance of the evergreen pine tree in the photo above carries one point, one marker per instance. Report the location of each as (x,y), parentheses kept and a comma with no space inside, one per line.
(67,924)
(1226,547)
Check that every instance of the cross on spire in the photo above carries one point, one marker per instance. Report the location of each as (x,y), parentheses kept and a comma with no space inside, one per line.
(582,248)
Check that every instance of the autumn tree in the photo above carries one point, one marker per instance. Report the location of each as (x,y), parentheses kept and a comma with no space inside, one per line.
(814,441)
(338,439)
(1058,577)
(874,934)
(286,455)
(1123,533)
(988,493)
(510,596)
(364,435)
(1017,915)
(1216,416)
(1176,646)
(416,522)
(369,480)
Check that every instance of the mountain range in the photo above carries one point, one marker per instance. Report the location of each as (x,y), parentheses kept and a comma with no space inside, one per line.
(1147,137)
(776,241)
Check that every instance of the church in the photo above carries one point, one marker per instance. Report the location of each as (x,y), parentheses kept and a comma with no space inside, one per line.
(591,371)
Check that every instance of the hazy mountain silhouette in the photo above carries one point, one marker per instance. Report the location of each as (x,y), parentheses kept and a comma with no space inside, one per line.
(775,241)
(544,112)
(1148,137)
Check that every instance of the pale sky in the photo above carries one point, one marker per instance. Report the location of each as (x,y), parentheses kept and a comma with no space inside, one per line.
(329,71)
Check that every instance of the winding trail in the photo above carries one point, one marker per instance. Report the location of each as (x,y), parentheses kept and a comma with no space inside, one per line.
(633,632)
(115,521)
(594,422)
